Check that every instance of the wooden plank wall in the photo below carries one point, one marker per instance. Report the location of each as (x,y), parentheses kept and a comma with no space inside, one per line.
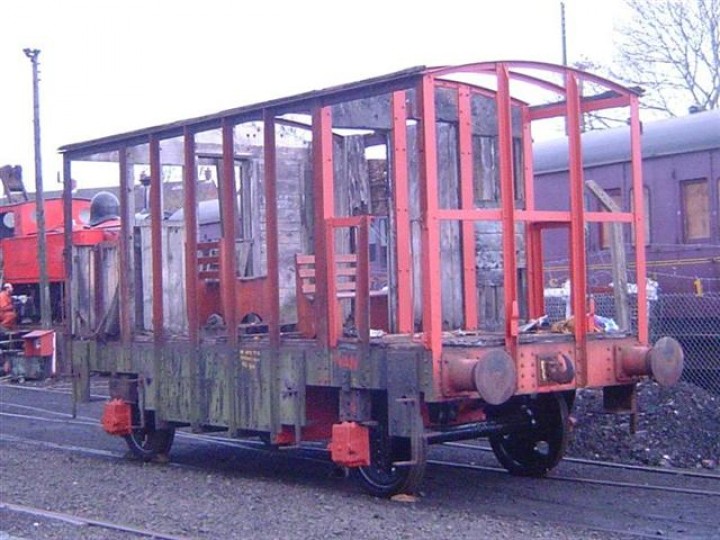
(94,303)
(173,275)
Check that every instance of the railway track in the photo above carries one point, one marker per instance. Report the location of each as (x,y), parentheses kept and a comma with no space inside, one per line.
(608,464)
(320,454)
(583,480)
(220,454)
(77,520)
(141,532)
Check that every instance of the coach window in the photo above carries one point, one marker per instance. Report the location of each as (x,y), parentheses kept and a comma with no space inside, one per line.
(696,210)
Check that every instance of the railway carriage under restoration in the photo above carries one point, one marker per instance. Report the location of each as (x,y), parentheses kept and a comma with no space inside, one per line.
(374,280)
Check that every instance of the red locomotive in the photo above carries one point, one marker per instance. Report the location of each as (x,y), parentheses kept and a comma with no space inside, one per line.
(26,350)
(19,249)
(375,280)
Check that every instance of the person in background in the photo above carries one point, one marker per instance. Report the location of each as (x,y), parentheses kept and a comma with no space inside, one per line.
(8,316)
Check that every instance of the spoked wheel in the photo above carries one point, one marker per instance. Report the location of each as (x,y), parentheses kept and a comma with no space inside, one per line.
(147,442)
(535,451)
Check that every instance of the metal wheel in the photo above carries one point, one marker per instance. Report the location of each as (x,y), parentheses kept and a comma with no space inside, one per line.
(384,479)
(147,443)
(535,451)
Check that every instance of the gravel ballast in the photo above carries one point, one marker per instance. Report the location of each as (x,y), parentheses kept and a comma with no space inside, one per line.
(677,426)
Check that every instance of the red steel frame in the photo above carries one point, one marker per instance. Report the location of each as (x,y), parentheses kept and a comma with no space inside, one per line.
(467,202)
(191,236)
(639,210)
(535,220)
(324,209)
(156,234)
(362,277)
(271,211)
(578,271)
(402,215)
(124,254)
(228,205)
(430,240)
(507,201)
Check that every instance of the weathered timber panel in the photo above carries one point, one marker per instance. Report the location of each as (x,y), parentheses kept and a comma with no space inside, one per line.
(214,373)
(355,176)
(489,260)
(291,387)
(174,383)
(94,290)
(82,287)
(403,391)
(173,276)
(451,269)
(414,195)
(375,112)
(448,197)
(369,113)
(253,389)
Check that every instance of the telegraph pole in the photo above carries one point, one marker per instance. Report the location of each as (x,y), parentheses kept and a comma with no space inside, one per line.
(564,35)
(45,315)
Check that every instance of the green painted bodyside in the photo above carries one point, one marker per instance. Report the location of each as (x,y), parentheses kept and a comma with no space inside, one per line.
(253,388)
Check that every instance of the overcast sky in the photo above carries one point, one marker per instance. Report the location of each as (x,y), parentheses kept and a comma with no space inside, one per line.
(109,66)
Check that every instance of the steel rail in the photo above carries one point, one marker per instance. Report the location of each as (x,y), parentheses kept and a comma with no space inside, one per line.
(606,464)
(256,447)
(580,480)
(261,447)
(80,521)
(68,416)
(51,420)
(61,391)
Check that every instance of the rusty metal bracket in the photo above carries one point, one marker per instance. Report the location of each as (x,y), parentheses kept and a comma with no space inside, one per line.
(622,400)
(355,405)
(417,436)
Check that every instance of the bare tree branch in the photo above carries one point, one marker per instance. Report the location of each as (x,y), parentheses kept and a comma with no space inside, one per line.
(672,49)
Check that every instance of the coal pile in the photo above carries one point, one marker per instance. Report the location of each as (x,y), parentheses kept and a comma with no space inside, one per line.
(677,427)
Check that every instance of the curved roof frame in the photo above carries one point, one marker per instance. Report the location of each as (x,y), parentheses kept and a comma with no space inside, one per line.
(490,68)
(481,90)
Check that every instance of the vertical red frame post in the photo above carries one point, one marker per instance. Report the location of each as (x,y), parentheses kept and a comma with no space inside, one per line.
(430,237)
(191,265)
(534,255)
(228,201)
(158,313)
(125,274)
(403,246)
(578,265)
(67,231)
(68,262)
(271,224)
(507,205)
(191,237)
(362,295)
(324,196)
(639,220)
(467,202)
